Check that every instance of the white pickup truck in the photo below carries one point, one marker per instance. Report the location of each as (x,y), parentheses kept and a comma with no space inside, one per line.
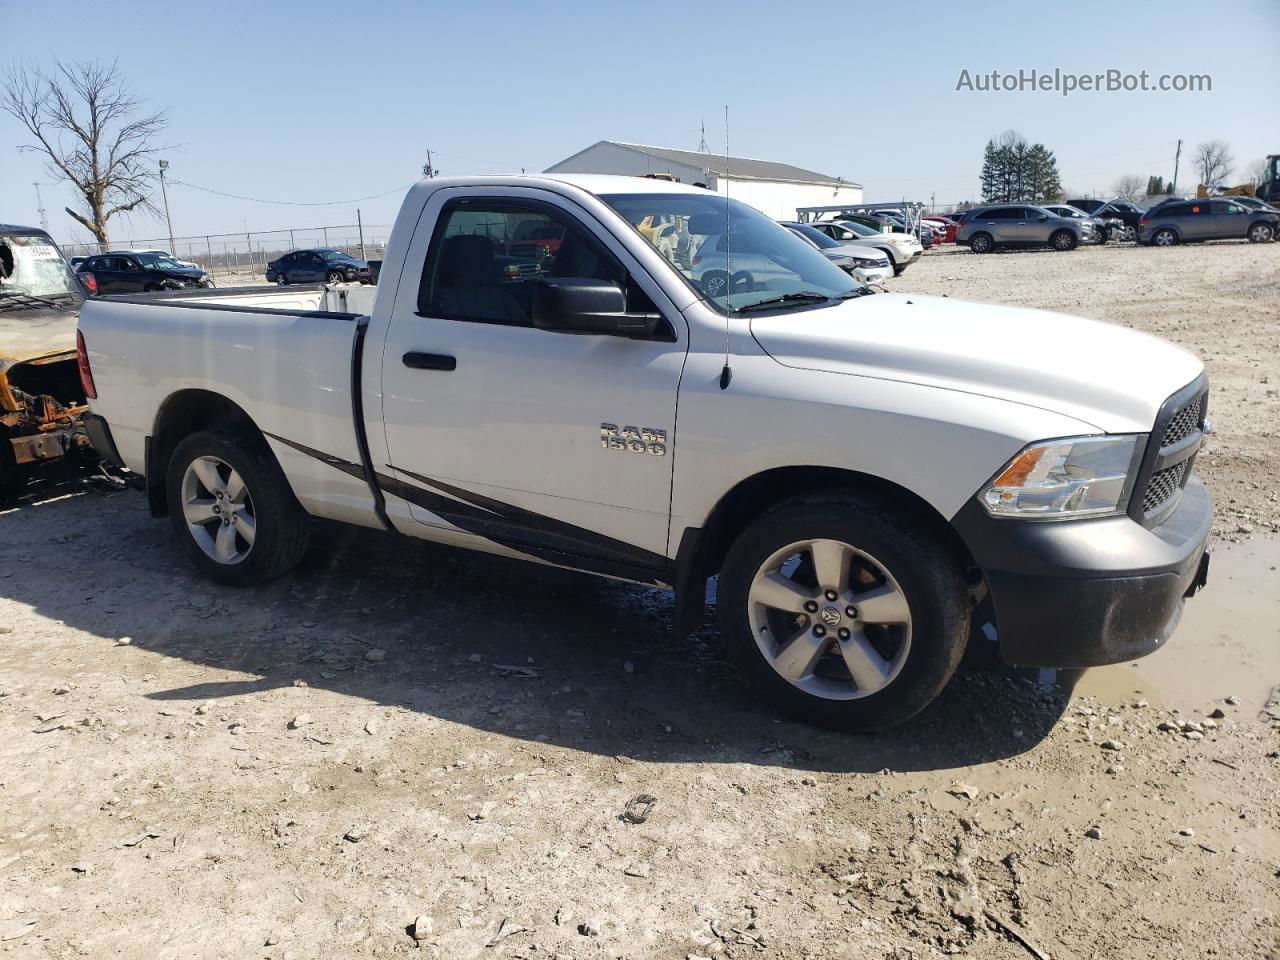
(866,473)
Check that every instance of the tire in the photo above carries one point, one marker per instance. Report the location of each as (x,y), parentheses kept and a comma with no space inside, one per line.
(917,636)
(1164,238)
(1261,233)
(281,280)
(981,243)
(1129,233)
(1063,241)
(713,283)
(742,281)
(266,508)
(333,276)
(151,288)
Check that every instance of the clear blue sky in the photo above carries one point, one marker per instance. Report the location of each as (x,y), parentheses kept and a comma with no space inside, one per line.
(328,101)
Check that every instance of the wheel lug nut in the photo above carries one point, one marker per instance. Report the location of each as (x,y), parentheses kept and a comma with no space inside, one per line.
(819,631)
(831,594)
(851,612)
(811,606)
(844,633)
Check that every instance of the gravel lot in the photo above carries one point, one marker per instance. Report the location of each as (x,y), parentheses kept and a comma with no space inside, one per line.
(404,748)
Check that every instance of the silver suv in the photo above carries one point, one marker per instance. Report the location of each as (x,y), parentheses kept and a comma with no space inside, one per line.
(1022,225)
(1189,221)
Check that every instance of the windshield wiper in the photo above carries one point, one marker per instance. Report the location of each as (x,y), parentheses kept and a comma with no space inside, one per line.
(802,296)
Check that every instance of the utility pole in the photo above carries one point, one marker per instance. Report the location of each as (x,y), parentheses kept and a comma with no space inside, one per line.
(164,165)
(702,144)
(44,221)
(360,227)
(428,170)
(1176,157)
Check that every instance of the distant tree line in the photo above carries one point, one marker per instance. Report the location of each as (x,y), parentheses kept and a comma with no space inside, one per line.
(1014,170)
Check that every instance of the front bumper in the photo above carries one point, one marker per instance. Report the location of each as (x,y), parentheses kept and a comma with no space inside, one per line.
(1081,593)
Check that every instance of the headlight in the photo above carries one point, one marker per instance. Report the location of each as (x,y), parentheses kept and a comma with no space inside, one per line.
(860,262)
(1074,477)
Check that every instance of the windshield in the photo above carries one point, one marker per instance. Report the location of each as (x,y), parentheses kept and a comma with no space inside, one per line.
(756,260)
(158,261)
(33,266)
(334,255)
(817,236)
(860,229)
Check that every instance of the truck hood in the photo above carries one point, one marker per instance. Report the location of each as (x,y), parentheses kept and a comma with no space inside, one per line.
(27,334)
(1110,377)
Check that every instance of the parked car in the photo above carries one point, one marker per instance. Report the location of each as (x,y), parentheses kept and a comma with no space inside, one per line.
(946,226)
(117,272)
(41,398)
(318,266)
(1101,228)
(866,264)
(1127,213)
(1022,225)
(857,470)
(1192,221)
(902,249)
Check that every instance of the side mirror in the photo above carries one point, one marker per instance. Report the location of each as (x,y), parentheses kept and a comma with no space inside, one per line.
(585,305)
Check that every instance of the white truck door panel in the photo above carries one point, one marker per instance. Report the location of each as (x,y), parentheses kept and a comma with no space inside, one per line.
(509,441)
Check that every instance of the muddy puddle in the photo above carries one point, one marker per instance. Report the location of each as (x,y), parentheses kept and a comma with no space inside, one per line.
(1228,642)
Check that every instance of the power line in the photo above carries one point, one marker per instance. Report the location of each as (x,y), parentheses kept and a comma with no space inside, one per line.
(290,203)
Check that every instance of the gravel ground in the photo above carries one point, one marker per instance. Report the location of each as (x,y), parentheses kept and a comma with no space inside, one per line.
(404,748)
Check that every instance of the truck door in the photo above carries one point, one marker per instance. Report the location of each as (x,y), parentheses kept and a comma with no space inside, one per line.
(554,444)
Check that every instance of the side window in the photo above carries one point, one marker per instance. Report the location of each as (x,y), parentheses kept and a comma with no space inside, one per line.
(999,213)
(486,257)
(128,264)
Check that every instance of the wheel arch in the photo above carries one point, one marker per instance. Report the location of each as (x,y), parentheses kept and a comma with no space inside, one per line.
(180,415)
(702,550)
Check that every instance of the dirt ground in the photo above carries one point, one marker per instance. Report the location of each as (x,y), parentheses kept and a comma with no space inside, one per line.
(404,748)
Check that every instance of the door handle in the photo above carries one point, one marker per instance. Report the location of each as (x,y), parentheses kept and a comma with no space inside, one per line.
(429,361)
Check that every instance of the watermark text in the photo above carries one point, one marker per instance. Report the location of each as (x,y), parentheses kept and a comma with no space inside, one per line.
(1065,83)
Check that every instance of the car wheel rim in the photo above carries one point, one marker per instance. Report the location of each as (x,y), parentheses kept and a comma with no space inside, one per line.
(1260,233)
(1062,242)
(830,619)
(218,510)
(1163,239)
(980,245)
(715,286)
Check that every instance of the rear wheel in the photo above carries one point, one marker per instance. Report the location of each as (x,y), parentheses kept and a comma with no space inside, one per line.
(981,243)
(1063,240)
(233,509)
(1261,233)
(714,283)
(1128,233)
(844,612)
(1164,238)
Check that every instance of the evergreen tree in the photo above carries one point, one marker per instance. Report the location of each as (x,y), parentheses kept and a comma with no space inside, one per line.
(1013,171)
(991,170)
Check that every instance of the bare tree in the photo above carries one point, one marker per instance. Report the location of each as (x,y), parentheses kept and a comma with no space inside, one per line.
(1129,187)
(1213,160)
(1256,171)
(94,133)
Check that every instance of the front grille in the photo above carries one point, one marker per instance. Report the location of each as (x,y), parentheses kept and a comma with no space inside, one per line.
(1184,423)
(1164,484)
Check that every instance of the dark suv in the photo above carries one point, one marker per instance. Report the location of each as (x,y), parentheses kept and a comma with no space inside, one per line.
(1022,225)
(139,273)
(1191,221)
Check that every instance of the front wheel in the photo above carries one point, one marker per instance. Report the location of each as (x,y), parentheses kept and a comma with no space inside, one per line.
(1260,233)
(334,276)
(981,243)
(1063,241)
(843,611)
(281,279)
(233,509)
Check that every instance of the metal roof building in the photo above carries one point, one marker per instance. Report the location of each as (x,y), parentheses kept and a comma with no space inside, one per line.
(776,189)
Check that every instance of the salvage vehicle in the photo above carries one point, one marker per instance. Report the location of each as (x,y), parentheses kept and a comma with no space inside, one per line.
(1101,228)
(1023,225)
(318,266)
(1193,221)
(866,475)
(863,264)
(1109,210)
(41,399)
(902,249)
(127,272)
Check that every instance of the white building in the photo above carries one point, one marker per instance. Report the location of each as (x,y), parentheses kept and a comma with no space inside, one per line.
(775,189)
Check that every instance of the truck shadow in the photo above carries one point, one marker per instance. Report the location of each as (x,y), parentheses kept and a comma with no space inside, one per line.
(519,650)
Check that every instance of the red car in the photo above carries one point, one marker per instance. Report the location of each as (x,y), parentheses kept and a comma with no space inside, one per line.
(947,226)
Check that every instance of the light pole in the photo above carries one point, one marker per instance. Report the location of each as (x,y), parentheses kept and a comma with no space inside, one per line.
(164,165)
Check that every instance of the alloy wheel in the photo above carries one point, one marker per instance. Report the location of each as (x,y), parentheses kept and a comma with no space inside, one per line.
(218,510)
(830,619)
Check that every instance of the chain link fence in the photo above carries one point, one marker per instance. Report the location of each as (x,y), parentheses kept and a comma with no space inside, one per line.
(243,257)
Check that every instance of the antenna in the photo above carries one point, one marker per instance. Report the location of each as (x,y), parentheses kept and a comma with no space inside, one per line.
(702,144)
(726,374)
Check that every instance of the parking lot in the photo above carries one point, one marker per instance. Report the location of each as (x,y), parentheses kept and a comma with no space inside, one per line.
(408,748)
